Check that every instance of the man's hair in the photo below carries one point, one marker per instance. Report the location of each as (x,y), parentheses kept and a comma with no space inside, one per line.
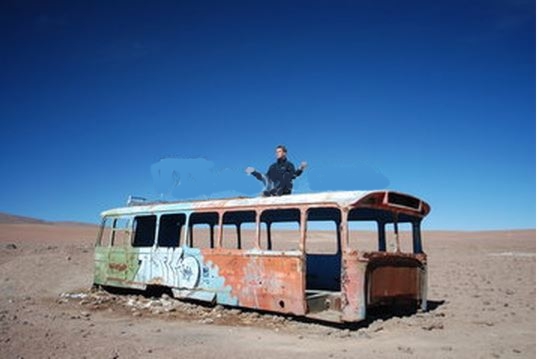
(282,147)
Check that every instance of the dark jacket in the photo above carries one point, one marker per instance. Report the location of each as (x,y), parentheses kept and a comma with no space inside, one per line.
(279,177)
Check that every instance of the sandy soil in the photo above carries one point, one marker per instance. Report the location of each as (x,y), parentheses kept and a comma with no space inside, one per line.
(481,293)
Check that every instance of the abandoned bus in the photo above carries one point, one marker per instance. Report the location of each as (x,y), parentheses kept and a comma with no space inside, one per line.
(330,256)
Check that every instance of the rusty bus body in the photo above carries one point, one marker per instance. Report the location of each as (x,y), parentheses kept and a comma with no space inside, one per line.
(229,252)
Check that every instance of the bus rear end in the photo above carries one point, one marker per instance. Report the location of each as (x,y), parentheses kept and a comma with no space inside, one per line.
(383,263)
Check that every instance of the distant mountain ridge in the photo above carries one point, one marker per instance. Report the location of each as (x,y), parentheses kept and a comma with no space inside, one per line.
(8,218)
(15,219)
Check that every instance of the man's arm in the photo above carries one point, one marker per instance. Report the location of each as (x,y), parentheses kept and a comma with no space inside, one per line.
(258,176)
(300,169)
(252,171)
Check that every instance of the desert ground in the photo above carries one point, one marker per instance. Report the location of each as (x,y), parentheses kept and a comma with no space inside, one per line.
(481,295)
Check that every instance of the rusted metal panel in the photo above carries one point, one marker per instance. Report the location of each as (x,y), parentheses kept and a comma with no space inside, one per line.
(273,283)
(353,287)
(395,278)
(387,284)
(371,278)
(266,280)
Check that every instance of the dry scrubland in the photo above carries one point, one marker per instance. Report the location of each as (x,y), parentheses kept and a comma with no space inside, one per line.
(481,289)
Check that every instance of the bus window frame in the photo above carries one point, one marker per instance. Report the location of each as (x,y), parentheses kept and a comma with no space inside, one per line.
(133,221)
(241,244)
(215,236)
(416,235)
(301,227)
(383,218)
(99,239)
(128,228)
(338,226)
(183,228)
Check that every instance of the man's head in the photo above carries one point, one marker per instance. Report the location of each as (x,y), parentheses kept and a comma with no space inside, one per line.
(280,152)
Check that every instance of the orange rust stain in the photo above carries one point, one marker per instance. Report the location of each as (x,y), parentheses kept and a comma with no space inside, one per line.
(388,282)
(118,266)
(353,283)
(273,283)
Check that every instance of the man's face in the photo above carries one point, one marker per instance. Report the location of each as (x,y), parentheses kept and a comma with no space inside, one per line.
(279,153)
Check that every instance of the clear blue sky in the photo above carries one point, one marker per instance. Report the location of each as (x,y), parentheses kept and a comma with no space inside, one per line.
(436,99)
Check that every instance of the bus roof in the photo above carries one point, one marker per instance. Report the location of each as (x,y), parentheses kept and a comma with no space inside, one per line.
(381,199)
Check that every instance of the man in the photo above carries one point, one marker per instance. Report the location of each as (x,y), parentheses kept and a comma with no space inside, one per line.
(278,179)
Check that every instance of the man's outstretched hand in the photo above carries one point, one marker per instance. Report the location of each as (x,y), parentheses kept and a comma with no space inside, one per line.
(249,170)
(303,165)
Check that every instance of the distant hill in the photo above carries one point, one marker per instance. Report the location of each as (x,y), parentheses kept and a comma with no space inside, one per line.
(6,218)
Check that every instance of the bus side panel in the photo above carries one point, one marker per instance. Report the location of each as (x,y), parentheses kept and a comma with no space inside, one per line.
(100,264)
(272,281)
(353,287)
(117,267)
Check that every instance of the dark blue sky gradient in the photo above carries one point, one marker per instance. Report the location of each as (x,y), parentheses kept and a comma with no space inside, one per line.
(435,99)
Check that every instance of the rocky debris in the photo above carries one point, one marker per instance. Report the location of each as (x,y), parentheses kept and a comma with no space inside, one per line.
(169,307)
(362,333)
(11,246)
(85,314)
(67,295)
(432,326)
(406,350)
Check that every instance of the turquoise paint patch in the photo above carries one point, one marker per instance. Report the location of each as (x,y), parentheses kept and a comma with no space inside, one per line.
(210,280)
(362,312)
(214,280)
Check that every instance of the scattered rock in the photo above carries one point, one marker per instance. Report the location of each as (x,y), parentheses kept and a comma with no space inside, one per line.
(363,334)
(11,246)
(487,323)
(406,350)
(433,326)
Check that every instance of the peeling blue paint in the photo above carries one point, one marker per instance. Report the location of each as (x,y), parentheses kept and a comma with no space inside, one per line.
(211,280)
